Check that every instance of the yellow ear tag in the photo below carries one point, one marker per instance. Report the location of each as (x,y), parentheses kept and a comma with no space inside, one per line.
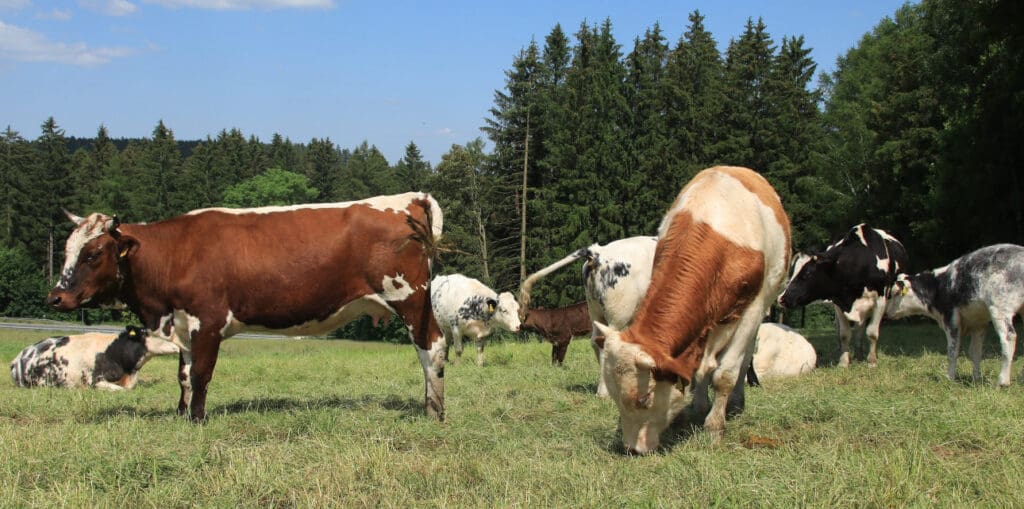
(124,253)
(131,333)
(490,308)
(904,291)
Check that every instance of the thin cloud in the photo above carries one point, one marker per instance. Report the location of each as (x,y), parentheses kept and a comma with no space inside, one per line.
(109,7)
(14,4)
(24,45)
(56,14)
(244,5)
(445,131)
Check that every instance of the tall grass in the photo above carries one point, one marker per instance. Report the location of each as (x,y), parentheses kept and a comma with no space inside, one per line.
(310,423)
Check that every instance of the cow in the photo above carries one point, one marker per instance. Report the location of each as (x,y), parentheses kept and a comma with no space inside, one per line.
(99,360)
(781,351)
(615,278)
(855,274)
(559,326)
(209,274)
(983,286)
(721,259)
(464,306)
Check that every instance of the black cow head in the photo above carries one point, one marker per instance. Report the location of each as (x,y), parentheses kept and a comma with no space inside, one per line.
(814,278)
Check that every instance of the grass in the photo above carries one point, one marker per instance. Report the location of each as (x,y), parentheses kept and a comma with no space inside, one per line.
(314,423)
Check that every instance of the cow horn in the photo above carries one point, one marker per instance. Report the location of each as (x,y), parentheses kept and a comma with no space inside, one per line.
(74,219)
(111,226)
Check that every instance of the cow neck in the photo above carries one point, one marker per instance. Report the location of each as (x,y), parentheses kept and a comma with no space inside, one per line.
(127,270)
(700,280)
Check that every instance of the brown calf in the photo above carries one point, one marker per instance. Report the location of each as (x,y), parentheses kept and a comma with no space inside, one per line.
(559,326)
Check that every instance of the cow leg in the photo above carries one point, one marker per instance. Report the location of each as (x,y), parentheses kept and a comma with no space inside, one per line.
(977,340)
(871,331)
(558,349)
(480,352)
(952,349)
(1008,342)
(205,349)
(432,360)
(730,395)
(602,389)
(845,332)
(184,381)
(457,339)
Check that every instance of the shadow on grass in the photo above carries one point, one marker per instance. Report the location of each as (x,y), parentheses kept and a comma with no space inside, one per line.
(407,407)
(583,388)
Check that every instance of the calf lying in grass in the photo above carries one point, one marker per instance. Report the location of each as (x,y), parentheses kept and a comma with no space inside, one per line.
(103,361)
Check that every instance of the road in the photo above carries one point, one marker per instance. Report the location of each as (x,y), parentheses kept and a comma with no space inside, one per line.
(53,325)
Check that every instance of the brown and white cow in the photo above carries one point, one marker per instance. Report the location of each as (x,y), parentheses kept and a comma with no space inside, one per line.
(295,270)
(721,260)
(559,326)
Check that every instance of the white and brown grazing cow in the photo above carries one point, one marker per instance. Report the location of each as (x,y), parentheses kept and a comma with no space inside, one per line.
(983,286)
(296,270)
(615,278)
(721,260)
(464,306)
(782,352)
(100,360)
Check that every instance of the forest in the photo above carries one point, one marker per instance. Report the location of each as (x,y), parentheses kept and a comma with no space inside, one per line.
(916,131)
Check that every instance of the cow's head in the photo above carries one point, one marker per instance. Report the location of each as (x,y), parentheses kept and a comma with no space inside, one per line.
(506,312)
(813,278)
(152,345)
(909,295)
(646,406)
(92,260)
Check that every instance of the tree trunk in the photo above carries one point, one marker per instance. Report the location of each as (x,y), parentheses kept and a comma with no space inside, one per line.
(522,226)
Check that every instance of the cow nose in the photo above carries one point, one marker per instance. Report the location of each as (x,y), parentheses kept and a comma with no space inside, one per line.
(53,300)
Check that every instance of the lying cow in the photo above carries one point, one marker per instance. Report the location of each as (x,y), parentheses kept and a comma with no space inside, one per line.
(782,351)
(721,259)
(855,275)
(559,326)
(466,307)
(103,361)
(615,279)
(984,286)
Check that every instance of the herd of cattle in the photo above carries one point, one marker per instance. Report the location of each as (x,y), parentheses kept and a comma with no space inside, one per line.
(679,312)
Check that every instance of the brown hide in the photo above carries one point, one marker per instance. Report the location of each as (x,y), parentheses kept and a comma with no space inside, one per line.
(287,270)
(559,326)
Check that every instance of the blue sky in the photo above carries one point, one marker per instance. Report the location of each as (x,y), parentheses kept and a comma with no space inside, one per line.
(384,72)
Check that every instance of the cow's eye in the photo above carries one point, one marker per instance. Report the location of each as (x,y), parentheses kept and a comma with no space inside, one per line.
(93,256)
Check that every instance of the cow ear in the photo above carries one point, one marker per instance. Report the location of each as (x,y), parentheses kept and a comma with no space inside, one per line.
(492,306)
(605,335)
(645,361)
(126,246)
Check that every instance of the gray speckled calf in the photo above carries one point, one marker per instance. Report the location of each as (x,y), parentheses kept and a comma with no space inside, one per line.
(984,286)
(464,306)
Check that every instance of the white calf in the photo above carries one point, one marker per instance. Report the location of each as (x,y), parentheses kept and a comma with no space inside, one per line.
(782,351)
(464,306)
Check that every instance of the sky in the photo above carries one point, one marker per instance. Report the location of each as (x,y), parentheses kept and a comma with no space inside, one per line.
(384,72)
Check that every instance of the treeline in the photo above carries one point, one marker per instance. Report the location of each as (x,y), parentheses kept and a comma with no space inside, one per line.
(916,131)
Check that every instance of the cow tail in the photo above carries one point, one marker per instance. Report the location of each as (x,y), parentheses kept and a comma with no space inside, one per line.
(426,232)
(527,285)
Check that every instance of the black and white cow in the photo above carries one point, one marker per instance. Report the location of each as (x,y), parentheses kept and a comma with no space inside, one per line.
(984,286)
(464,306)
(856,275)
(103,361)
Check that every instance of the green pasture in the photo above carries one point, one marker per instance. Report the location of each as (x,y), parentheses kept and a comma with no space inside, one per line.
(317,423)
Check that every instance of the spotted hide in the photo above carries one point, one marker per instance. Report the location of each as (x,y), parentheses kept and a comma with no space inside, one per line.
(984,286)
(855,274)
(103,361)
(721,260)
(199,278)
(464,306)
(615,277)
